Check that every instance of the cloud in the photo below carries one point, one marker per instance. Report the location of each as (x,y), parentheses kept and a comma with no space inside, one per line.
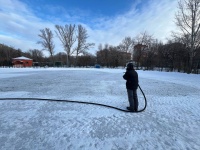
(18,43)
(20,24)
(156,17)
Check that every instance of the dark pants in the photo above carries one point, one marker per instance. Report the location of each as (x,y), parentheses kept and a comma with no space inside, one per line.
(133,99)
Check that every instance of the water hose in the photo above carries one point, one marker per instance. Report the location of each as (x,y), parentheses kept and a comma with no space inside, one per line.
(82,102)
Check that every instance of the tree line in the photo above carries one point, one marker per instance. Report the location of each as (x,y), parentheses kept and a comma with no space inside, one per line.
(148,55)
(7,53)
(180,53)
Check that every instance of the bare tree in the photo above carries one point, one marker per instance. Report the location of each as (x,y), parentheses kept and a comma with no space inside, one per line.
(86,60)
(46,36)
(67,36)
(188,21)
(100,47)
(36,55)
(143,43)
(150,56)
(111,56)
(127,43)
(144,38)
(6,54)
(103,55)
(82,45)
(127,46)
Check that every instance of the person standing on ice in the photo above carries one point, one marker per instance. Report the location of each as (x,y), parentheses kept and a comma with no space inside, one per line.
(131,78)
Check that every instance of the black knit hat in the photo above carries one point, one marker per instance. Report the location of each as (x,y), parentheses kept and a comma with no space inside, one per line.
(130,66)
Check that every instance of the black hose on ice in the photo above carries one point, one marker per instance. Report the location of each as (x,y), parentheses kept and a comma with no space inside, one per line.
(145,99)
(71,101)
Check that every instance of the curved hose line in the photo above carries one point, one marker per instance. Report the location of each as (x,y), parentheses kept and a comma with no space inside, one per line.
(82,102)
(145,99)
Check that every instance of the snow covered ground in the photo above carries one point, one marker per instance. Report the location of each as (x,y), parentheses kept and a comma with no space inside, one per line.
(171,120)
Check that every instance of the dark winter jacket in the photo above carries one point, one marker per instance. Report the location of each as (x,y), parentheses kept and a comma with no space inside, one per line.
(131,78)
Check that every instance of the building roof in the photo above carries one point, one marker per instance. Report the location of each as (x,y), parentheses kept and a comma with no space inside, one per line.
(22,58)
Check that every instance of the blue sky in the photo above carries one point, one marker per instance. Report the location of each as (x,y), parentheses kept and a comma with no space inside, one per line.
(107,21)
(94,8)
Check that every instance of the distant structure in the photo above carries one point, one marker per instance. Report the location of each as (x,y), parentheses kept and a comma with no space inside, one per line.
(20,62)
(97,66)
(140,47)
